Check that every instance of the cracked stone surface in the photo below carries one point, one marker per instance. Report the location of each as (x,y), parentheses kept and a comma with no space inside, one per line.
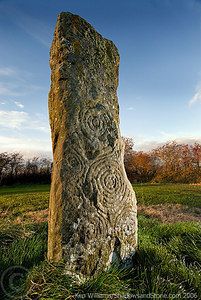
(92,218)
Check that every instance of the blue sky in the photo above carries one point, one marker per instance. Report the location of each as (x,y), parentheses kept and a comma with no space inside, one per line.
(160,68)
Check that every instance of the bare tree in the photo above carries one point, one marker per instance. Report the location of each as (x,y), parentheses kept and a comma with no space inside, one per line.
(4,164)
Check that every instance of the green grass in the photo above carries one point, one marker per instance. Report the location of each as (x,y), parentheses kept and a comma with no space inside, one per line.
(168,260)
(23,245)
(20,199)
(21,248)
(23,189)
(185,194)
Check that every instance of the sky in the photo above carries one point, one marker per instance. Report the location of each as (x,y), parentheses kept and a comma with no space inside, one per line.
(159,92)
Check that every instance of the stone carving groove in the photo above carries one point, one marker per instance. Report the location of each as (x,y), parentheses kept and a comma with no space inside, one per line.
(92,204)
(105,177)
(96,121)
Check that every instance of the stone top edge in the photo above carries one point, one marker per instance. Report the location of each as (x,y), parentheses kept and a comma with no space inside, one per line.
(70,15)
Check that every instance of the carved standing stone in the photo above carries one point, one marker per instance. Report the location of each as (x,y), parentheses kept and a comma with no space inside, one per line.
(92,219)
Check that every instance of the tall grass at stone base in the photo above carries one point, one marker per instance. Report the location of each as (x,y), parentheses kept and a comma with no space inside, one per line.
(167,262)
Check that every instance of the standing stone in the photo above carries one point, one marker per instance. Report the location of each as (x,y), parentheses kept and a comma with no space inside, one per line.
(92,219)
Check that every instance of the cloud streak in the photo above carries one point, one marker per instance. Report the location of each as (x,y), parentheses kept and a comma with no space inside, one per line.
(196,97)
(130,108)
(7,71)
(34,27)
(13,119)
(14,83)
(8,90)
(19,104)
(21,120)
(3,102)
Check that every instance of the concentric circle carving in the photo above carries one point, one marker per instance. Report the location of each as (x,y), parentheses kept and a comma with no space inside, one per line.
(126,222)
(106,178)
(96,121)
(98,225)
(74,164)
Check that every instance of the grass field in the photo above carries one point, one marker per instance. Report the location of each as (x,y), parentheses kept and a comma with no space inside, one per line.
(167,263)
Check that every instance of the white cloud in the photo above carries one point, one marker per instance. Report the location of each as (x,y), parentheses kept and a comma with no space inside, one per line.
(179,136)
(28,146)
(12,119)
(40,125)
(19,104)
(147,143)
(196,97)
(147,146)
(22,120)
(18,125)
(130,108)
(7,71)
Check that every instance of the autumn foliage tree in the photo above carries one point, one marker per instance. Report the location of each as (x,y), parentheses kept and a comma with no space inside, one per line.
(173,162)
(140,166)
(178,163)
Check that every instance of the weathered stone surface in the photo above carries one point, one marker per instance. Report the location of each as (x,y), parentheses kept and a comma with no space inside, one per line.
(92,204)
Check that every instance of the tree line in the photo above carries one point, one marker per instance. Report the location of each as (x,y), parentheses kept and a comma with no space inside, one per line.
(170,163)
(14,169)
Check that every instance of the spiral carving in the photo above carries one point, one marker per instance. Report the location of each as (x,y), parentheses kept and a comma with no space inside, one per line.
(96,121)
(98,225)
(126,222)
(74,164)
(107,180)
